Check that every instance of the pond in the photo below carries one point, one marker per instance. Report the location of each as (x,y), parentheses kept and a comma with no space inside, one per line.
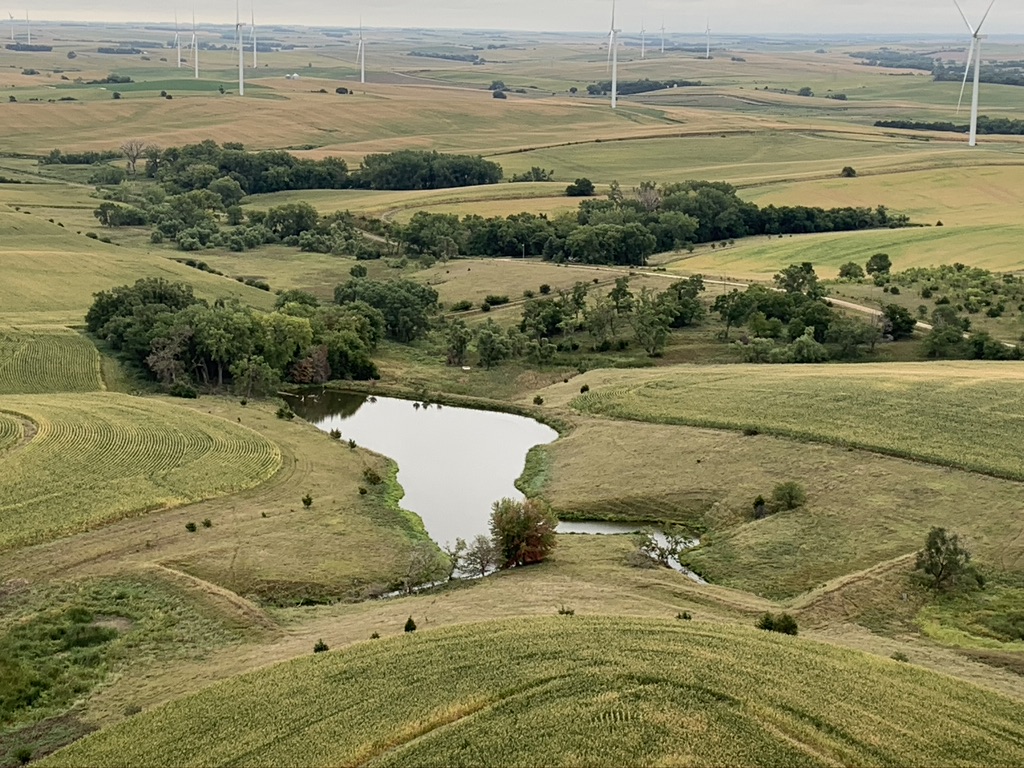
(453,463)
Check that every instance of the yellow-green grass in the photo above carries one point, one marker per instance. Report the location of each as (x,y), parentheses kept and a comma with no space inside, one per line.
(862,509)
(262,542)
(11,431)
(50,273)
(760,258)
(41,360)
(100,457)
(594,691)
(964,415)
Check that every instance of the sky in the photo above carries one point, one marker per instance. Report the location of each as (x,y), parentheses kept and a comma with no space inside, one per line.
(752,17)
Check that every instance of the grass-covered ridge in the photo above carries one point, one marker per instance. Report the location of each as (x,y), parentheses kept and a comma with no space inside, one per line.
(47,360)
(964,415)
(100,457)
(595,691)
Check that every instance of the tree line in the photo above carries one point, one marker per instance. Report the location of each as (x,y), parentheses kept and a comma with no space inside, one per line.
(1002,126)
(646,85)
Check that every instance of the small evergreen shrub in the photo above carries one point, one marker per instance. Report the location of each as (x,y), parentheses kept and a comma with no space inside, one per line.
(371,476)
(321,646)
(783,623)
(584,389)
(375,636)
(538,400)
(566,611)
(900,656)
(335,434)
(190,527)
(307,501)
(286,413)
(684,616)
(410,625)
(207,523)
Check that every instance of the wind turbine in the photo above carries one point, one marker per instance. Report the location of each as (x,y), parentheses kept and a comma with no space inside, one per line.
(241,52)
(252,38)
(195,44)
(12,25)
(708,33)
(662,35)
(643,40)
(177,38)
(361,53)
(28,25)
(975,50)
(613,58)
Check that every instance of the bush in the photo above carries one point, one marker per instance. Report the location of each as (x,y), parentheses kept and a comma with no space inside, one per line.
(307,501)
(499,95)
(462,306)
(207,523)
(538,400)
(286,413)
(371,476)
(581,188)
(375,636)
(321,646)
(789,495)
(183,390)
(783,623)
(848,172)
(566,611)
(684,616)
(191,527)
(584,389)
(496,301)
(545,289)
(362,491)
(900,656)
(23,755)
(410,625)
(335,434)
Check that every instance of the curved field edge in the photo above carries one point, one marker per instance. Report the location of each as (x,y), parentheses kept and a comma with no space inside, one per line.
(118,456)
(961,415)
(597,691)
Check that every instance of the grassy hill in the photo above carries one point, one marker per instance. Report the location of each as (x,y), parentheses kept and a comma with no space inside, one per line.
(963,415)
(99,457)
(594,691)
(47,360)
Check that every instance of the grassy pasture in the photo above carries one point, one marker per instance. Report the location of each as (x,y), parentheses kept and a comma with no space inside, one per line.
(100,457)
(11,431)
(599,691)
(862,508)
(961,415)
(47,360)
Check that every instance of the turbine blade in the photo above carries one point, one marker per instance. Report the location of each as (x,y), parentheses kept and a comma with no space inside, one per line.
(613,14)
(963,16)
(967,71)
(611,42)
(985,16)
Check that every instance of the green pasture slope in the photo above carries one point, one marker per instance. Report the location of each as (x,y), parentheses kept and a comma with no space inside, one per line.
(47,360)
(574,691)
(963,415)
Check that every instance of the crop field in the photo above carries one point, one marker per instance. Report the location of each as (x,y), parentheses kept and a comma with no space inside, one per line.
(47,360)
(707,480)
(593,691)
(11,431)
(962,415)
(100,457)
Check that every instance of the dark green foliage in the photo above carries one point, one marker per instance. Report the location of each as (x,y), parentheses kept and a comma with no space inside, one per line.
(684,616)
(566,611)
(789,495)
(419,169)
(183,390)
(800,278)
(986,125)
(499,95)
(462,306)
(207,523)
(371,476)
(375,636)
(523,531)
(584,389)
(644,85)
(410,625)
(320,646)
(899,323)
(783,623)
(944,560)
(191,527)
(851,271)
(111,215)
(307,501)
(879,264)
(407,307)
(534,174)
(581,188)
(286,413)
(900,656)
(538,400)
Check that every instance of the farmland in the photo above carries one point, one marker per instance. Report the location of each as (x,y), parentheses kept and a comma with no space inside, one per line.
(47,360)
(958,415)
(118,456)
(599,691)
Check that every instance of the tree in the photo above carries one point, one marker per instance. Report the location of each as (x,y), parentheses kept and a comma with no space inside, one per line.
(805,91)
(879,264)
(899,323)
(359,270)
(499,95)
(523,531)
(944,559)
(789,495)
(650,322)
(481,557)
(851,271)
(132,150)
(253,376)
(492,344)
(458,338)
(228,189)
(733,308)
(848,172)
(800,278)
(581,188)
(599,319)
(426,564)
(410,625)
(621,296)
(456,556)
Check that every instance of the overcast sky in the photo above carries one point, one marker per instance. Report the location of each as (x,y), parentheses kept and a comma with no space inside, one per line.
(681,16)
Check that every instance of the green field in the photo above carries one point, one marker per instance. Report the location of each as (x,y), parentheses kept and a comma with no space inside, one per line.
(47,360)
(11,431)
(98,458)
(577,691)
(961,415)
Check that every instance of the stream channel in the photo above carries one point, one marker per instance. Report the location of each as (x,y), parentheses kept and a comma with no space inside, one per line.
(453,463)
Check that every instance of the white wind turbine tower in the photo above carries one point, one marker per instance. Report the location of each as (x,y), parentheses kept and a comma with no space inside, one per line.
(975,51)
(12,25)
(241,49)
(707,32)
(643,40)
(195,45)
(361,53)
(613,58)
(662,35)
(252,39)
(28,25)
(177,38)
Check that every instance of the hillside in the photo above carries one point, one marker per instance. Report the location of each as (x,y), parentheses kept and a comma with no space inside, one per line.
(595,691)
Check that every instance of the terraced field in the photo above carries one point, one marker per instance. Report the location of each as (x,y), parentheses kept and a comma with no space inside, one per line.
(576,691)
(47,360)
(101,457)
(964,415)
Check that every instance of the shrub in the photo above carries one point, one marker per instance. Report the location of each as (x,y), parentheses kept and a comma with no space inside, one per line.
(750,432)
(848,172)
(584,389)
(789,495)
(499,95)
(485,307)
(321,646)
(183,390)
(462,306)
(207,523)
(538,400)
(352,445)
(545,289)
(371,476)
(116,94)
(581,188)
(783,623)
(92,235)
(286,413)
(410,625)
(191,527)
(307,501)
(362,491)
(566,611)
(684,616)
(496,300)
(335,434)
(900,656)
